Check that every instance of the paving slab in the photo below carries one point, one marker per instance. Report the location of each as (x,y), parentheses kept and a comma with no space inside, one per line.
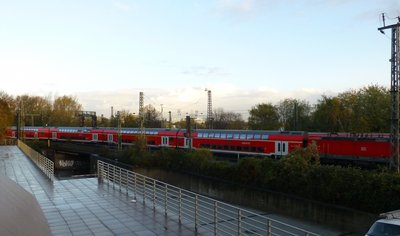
(84,207)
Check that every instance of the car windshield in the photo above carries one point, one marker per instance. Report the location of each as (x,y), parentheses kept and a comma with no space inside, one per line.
(379,228)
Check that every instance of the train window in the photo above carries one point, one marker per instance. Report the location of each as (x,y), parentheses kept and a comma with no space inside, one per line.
(230,136)
(213,146)
(226,147)
(245,148)
(211,135)
(260,149)
(239,148)
(217,135)
(253,149)
(223,135)
(205,135)
(243,136)
(236,136)
(200,135)
(264,136)
(249,136)
(219,147)
(257,136)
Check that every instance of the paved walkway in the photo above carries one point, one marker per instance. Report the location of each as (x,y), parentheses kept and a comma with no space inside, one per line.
(82,206)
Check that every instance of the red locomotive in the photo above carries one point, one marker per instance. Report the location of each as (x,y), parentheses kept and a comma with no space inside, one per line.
(342,146)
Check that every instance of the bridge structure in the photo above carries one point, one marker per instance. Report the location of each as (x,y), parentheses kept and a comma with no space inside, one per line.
(122,202)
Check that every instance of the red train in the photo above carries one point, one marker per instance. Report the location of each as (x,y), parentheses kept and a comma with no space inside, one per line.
(343,146)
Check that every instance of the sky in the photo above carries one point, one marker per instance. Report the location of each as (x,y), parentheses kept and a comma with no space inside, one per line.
(247,52)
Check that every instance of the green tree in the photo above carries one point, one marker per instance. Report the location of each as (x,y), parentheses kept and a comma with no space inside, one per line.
(228,120)
(103,121)
(7,107)
(130,120)
(152,118)
(36,109)
(64,110)
(364,110)
(264,116)
(294,114)
(349,108)
(326,116)
(374,108)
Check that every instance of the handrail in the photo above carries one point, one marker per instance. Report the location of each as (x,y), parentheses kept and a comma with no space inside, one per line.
(203,213)
(44,164)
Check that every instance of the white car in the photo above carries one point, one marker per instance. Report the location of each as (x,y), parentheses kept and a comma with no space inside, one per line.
(385,227)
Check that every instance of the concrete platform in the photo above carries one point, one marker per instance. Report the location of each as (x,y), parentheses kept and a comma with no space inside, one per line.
(82,206)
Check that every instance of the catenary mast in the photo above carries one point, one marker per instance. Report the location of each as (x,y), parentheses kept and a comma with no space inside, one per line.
(394,91)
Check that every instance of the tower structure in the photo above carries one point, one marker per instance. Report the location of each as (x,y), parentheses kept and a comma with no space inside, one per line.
(209,110)
(394,91)
(141,111)
(141,102)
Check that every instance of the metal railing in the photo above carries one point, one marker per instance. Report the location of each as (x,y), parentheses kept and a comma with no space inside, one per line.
(203,213)
(44,164)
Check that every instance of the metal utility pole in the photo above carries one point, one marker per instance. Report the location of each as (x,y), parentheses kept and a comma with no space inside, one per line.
(209,109)
(141,112)
(169,119)
(162,118)
(119,130)
(18,118)
(394,91)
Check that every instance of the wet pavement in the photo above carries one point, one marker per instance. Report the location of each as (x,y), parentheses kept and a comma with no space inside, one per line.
(82,206)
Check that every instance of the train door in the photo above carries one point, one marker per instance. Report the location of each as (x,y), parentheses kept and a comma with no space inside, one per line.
(281,148)
(110,138)
(95,137)
(54,135)
(36,135)
(13,134)
(188,143)
(164,141)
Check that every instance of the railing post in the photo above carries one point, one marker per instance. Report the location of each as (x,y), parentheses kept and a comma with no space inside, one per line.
(99,172)
(113,177)
(195,212)
(127,182)
(180,206)
(135,186)
(120,179)
(144,190)
(166,200)
(269,228)
(108,175)
(154,194)
(215,218)
(239,221)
